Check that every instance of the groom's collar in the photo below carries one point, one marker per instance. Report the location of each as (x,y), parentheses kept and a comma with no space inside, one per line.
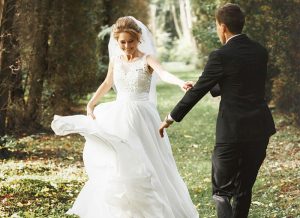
(230,38)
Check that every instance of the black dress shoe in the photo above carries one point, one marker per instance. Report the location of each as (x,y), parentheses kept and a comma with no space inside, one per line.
(224,208)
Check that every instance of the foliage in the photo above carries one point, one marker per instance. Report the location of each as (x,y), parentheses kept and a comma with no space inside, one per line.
(285,51)
(73,52)
(163,45)
(286,91)
(173,43)
(204,26)
(8,145)
(182,51)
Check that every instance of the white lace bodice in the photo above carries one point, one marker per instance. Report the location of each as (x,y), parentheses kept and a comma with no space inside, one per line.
(131,77)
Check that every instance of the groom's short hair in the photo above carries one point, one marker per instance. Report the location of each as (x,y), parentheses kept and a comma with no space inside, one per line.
(232,16)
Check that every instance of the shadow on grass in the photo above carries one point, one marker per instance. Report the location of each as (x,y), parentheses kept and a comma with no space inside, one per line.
(43,147)
(61,154)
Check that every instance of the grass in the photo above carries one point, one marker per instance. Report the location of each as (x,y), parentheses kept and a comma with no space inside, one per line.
(42,174)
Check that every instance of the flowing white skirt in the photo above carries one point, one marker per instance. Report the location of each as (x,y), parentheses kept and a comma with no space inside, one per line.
(131,169)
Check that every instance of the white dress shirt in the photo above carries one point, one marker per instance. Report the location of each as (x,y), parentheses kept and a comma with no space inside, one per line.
(232,37)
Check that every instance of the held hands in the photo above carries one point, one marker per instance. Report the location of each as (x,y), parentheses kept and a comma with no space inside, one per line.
(90,111)
(187,86)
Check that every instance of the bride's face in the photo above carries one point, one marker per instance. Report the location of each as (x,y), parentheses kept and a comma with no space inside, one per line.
(128,43)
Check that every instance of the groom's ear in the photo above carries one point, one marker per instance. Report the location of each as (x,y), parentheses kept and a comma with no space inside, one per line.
(223,27)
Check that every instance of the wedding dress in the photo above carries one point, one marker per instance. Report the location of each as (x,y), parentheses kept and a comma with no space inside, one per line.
(131,169)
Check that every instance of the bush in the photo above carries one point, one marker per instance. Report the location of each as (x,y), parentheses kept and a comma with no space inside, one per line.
(286,95)
(182,51)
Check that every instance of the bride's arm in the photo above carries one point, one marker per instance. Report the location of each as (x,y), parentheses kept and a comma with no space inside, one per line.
(163,74)
(101,91)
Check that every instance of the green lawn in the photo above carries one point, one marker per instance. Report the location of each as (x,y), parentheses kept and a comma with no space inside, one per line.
(44,173)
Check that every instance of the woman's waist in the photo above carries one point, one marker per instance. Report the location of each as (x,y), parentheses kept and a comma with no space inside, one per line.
(133,96)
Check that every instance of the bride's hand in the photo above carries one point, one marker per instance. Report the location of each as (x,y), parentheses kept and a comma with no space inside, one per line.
(90,111)
(187,85)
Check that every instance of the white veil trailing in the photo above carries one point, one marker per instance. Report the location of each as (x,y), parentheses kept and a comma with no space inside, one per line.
(146,46)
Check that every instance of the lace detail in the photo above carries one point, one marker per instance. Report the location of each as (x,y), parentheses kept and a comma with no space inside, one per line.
(132,77)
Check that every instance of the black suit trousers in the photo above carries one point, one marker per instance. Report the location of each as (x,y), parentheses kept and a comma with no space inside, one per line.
(234,170)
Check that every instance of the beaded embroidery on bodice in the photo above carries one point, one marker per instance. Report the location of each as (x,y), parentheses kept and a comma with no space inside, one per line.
(131,77)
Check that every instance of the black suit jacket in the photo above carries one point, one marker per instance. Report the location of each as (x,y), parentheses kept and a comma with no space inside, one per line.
(239,68)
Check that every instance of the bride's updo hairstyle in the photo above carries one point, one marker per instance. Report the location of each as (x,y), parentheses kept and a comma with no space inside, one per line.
(128,25)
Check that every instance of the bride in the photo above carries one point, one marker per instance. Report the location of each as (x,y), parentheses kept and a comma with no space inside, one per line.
(131,169)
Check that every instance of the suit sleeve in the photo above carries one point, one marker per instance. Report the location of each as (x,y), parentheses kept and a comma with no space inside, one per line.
(212,73)
(215,91)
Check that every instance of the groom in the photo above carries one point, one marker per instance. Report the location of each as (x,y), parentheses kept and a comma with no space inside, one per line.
(244,122)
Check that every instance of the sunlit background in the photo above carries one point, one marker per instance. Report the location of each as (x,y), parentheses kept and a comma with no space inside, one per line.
(53,56)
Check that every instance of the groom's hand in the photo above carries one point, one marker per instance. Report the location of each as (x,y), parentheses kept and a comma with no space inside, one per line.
(162,127)
(165,124)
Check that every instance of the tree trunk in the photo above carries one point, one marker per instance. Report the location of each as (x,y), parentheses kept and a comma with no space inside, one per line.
(1,10)
(186,23)
(38,64)
(176,22)
(15,110)
(7,59)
